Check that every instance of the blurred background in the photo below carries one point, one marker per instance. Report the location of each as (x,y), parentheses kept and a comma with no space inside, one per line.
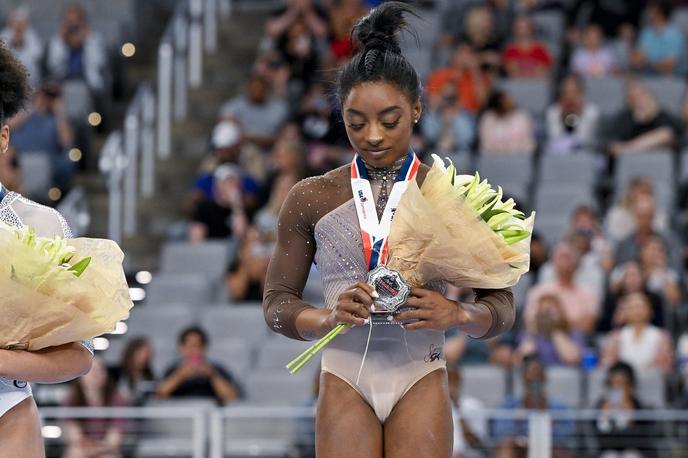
(178,127)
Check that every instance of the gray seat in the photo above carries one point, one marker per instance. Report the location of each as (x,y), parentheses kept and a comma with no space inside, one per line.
(520,290)
(209,258)
(572,168)
(531,94)
(36,171)
(275,353)
(607,93)
(565,384)
(267,436)
(233,354)
(190,288)
(246,322)
(78,100)
(278,388)
(670,92)
(551,229)
(486,383)
(512,173)
(554,200)
(650,387)
(549,28)
(657,165)
(155,322)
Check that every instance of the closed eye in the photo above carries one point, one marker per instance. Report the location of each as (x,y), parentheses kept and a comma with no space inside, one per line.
(390,125)
(356,126)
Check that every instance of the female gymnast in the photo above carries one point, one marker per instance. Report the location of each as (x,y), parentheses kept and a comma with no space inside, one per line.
(398,405)
(20,428)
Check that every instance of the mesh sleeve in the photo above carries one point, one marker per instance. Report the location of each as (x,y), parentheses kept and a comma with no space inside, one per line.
(290,263)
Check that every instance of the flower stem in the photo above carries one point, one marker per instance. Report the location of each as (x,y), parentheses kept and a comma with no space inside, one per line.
(295,365)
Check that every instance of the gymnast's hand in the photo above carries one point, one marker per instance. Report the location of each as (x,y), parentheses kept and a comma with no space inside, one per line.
(431,310)
(353,306)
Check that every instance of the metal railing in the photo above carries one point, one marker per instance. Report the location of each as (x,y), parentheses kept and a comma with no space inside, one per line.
(248,430)
(191,31)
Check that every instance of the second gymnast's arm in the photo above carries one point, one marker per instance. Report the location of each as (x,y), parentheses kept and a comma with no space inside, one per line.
(285,311)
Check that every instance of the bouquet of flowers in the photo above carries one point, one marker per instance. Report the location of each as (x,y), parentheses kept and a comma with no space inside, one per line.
(52,294)
(469,237)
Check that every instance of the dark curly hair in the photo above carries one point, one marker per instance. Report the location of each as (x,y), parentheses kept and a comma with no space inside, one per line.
(14,84)
(381,58)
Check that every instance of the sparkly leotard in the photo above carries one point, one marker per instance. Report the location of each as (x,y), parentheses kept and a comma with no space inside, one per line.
(17,211)
(318,223)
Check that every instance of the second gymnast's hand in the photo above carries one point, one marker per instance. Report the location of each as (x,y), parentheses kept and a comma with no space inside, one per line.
(432,311)
(352,307)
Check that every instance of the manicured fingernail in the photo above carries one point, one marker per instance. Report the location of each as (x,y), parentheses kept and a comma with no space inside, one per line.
(374,294)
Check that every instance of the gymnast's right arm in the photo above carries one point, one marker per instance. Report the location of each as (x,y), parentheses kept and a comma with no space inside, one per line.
(285,311)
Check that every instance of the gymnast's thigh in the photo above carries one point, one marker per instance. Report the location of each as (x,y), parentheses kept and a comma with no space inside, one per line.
(421,422)
(345,425)
(20,432)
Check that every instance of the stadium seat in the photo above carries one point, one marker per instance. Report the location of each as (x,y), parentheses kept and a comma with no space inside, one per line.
(520,290)
(486,383)
(650,387)
(233,354)
(209,258)
(191,288)
(579,168)
(512,173)
(265,437)
(670,92)
(279,388)
(36,174)
(531,94)
(549,28)
(554,200)
(275,353)
(564,384)
(683,176)
(658,166)
(245,322)
(551,229)
(607,93)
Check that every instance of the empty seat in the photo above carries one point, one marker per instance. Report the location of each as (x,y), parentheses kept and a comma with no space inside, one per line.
(487,383)
(36,170)
(607,93)
(193,289)
(520,290)
(245,322)
(512,173)
(554,200)
(565,384)
(669,91)
(551,229)
(209,258)
(279,388)
(233,354)
(274,355)
(531,94)
(151,321)
(658,166)
(576,168)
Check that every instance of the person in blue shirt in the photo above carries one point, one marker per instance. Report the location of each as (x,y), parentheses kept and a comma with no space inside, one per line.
(660,44)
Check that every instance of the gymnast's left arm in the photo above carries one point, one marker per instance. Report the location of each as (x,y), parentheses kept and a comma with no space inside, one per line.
(49,365)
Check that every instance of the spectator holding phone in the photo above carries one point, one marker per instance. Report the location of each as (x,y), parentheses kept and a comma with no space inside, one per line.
(194,376)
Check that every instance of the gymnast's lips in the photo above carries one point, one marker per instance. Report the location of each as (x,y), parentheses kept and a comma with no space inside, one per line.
(377,152)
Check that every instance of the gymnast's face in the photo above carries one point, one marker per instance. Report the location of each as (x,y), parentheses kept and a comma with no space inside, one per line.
(379,120)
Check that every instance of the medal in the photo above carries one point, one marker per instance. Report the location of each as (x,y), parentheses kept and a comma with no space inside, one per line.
(392,290)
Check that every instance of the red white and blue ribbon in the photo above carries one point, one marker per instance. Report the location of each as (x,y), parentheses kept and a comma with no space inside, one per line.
(3,192)
(375,232)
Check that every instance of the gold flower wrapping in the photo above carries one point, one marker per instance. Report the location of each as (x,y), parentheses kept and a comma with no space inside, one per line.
(436,235)
(42,305)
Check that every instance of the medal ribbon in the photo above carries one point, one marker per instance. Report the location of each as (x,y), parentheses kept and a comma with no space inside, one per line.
(374,232)
(3,192)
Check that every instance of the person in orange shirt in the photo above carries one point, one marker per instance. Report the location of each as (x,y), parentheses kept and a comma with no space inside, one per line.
(472,85)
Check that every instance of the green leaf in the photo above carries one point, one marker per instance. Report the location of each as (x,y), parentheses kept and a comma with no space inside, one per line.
(79,268)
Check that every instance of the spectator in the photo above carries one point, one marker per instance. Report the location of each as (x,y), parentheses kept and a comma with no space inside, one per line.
(77,53)
(639,343)
(44,128)
(95,437)
(620,221)
(551,340)
(274,68)
(259,116)
(618,433)
(343,16)
(137,382)
(571,121)
(10,176)
(222,216)
(470,426)
(660,45)
(24,42)
(446,126)
(471,84)
(580,305)
(504,128)
(615,18)
(625,279)
(266,217)
(659,277)
(298,46)
(313,17)
(593,58)
(642,125)
(589,238)
(194,376)
(245,279)
(644,215)
(481,35)
(526,57)
(534,398)
(317,117)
